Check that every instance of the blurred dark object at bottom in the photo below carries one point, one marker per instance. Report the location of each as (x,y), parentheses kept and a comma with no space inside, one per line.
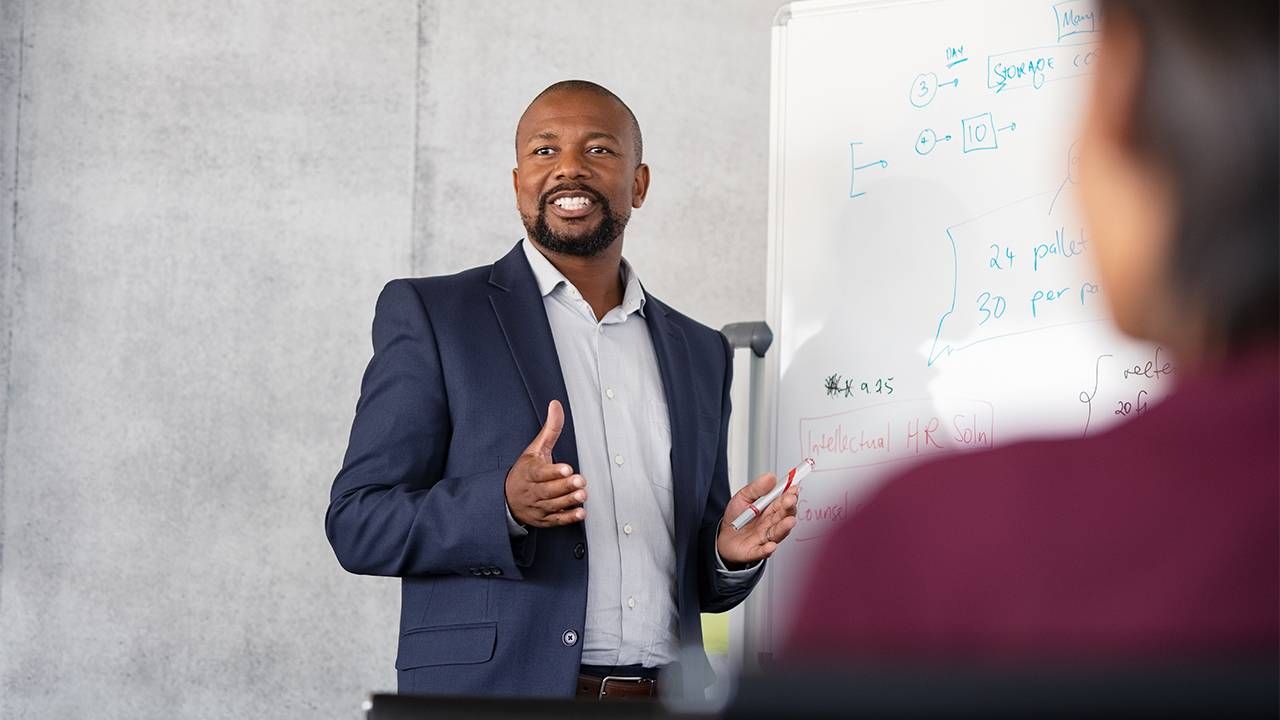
(1243,690)
(1219,690)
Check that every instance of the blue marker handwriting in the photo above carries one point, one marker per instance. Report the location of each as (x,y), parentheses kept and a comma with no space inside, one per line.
(1075,17)
(855,167)
(1060,247)
(1036,66)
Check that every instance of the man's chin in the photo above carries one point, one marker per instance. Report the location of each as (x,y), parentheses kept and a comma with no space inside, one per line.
(584,242)
(574,230)
(583,237)
(586,247)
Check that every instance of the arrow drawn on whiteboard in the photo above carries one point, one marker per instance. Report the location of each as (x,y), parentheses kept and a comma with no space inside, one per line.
(1010,127)
(855,167)
(953,82)
(927,140)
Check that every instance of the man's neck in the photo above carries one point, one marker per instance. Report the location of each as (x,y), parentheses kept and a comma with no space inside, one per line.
(598,278)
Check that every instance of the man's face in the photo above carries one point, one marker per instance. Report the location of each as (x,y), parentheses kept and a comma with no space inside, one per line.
(576,176)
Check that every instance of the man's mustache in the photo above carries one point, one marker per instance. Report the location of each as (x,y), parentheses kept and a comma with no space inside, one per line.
(572,187)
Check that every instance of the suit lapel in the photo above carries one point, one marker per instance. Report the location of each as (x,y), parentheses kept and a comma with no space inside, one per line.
(672,349)
(518,305)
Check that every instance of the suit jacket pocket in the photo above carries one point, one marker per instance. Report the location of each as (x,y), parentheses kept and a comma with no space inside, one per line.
(466,644)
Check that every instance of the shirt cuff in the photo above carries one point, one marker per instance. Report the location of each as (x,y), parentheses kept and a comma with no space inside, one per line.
(736,577)
(515,529)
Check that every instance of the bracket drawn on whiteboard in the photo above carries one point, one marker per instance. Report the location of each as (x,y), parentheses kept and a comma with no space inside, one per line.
(1087,397)
(996,297)
(855,167)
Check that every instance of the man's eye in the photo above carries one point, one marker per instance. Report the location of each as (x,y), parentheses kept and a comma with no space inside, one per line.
(597,150)
(543,151)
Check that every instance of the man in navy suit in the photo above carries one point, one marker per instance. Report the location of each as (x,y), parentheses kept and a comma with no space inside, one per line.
(539,449)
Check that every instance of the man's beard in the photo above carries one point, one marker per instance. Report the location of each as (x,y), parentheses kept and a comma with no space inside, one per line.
(608,230)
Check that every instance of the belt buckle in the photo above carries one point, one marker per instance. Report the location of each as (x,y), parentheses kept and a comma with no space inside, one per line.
(604,683)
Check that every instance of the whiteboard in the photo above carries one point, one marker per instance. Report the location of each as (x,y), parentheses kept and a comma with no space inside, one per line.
(929,281)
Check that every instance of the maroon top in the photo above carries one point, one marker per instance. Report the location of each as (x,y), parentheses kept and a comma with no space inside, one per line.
(1157,539)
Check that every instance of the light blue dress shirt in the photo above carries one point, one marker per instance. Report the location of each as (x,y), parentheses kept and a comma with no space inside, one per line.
(623,435)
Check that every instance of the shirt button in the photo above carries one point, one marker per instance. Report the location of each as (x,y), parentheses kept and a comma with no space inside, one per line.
(617,459)
(631,602)
(569,638)
(579,550)
(626,529)
(600,329)
(608,392)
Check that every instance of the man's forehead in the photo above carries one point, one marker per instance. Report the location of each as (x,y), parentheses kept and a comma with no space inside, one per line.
(573,111)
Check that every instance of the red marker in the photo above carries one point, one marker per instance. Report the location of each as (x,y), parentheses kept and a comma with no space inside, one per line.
(755,509)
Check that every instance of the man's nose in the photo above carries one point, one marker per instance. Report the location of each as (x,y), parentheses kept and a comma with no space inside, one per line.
(572,166)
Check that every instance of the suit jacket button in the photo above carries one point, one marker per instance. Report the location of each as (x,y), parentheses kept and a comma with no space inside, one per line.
(569,638)
(475,571)
(579,550)
(497,571)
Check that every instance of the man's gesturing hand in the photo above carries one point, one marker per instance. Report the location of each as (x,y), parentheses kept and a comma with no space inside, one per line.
(759,538)
(541,493)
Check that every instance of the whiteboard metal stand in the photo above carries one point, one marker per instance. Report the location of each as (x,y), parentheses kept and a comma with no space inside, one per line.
(751,631)
(756,337)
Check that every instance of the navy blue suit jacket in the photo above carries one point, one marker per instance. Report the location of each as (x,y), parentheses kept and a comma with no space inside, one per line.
(462,371)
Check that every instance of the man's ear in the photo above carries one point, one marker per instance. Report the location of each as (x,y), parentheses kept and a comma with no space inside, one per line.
(515,183)
(640,187)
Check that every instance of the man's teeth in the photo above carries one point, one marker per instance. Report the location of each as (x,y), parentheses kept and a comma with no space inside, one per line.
(575,202)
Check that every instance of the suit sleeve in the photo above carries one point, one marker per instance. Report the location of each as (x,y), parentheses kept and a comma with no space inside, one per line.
(391,510)
(721,590)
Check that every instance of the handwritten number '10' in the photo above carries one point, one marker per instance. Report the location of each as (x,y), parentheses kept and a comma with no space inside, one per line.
(998,306)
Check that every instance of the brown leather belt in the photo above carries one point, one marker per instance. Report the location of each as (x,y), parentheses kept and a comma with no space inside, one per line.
(616,687)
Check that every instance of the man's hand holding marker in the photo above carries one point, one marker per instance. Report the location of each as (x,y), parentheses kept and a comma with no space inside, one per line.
(760,516)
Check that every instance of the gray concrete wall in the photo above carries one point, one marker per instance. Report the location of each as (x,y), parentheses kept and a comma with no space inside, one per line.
(210,197)
(198,205)
(11,43)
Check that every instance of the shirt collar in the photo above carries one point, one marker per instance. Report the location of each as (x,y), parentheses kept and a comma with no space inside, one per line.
(549,278)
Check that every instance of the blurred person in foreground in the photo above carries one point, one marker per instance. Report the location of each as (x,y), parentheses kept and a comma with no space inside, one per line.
(1157,540)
